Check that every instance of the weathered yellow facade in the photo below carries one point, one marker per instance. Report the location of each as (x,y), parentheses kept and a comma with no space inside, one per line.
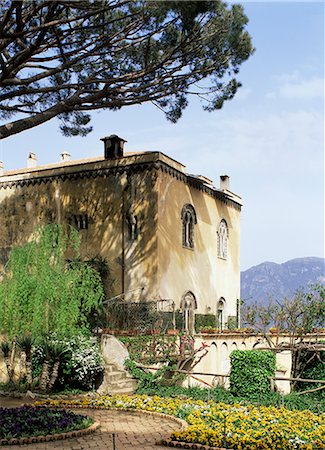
(128,210)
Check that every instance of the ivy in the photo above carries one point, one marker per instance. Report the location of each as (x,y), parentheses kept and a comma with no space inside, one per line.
(41,293)
(250,372)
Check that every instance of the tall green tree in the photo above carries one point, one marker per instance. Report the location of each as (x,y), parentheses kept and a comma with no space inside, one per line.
(42,293)
(65,58)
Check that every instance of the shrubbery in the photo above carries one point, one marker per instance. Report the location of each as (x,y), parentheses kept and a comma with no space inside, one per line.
(82,365)
(313,364)
(250,372)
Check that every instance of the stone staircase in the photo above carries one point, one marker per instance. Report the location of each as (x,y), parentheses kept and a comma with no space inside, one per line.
(117,381)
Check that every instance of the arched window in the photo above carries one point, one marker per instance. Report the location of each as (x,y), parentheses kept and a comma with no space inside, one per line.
(188,222)
(221,313)
(188,306)
(223,239)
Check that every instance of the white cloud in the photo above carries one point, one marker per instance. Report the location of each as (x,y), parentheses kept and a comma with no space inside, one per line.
(293,87)
(270,95)
(261,143)
(307,89)
(288,77)
(289,144)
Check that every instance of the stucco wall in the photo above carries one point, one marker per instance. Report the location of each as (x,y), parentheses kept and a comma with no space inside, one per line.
(57,200)
(198,270)
(155,188)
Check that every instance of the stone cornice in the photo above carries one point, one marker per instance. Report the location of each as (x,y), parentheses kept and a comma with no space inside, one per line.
(35,179)
(198,184)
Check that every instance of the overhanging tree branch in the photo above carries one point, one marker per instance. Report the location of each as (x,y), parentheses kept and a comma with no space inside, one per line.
(62,58)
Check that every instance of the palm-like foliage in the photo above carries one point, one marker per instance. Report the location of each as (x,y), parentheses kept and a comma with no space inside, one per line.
(6,348)
(25,343)
(57,352)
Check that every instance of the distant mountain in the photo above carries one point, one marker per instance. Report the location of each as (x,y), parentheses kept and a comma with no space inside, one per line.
(280,280)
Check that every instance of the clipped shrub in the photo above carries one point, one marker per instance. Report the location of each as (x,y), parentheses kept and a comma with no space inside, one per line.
(250,372)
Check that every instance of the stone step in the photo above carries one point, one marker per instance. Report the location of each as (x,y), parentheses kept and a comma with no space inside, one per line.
(116,378)
(120,391)
(111,368)
(118,387)
(123,383)
(124,391)
(116,375)
(117,381)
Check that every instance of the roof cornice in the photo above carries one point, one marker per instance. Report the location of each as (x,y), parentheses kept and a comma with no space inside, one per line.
(38,178)
(200,185)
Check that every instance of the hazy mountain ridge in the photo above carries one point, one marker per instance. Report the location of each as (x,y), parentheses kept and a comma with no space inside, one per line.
(280,280)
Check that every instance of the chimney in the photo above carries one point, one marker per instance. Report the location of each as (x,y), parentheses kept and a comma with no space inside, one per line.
(1,169)
(65,156)
(224,182)
(31,161)
(113,146)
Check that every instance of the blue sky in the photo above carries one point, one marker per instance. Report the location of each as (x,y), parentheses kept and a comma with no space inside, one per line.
(269,139)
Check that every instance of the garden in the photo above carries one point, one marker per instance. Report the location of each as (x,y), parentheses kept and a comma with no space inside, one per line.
(235,426)
(48,346)
(45,327)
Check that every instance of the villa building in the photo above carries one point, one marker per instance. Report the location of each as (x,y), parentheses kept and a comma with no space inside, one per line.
(167,235)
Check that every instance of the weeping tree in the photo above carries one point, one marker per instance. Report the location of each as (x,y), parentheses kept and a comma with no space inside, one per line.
(44,294)
(65,58)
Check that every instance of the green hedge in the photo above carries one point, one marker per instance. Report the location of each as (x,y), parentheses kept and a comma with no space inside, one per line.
(250,372)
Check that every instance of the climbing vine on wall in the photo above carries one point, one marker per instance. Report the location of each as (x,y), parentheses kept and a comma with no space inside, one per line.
(41,292)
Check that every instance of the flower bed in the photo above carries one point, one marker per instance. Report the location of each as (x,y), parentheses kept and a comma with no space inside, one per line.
(254,428)
(28,421)
(233,426)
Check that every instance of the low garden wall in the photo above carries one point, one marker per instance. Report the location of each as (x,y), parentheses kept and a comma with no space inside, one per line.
(217,360)
(222,344)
